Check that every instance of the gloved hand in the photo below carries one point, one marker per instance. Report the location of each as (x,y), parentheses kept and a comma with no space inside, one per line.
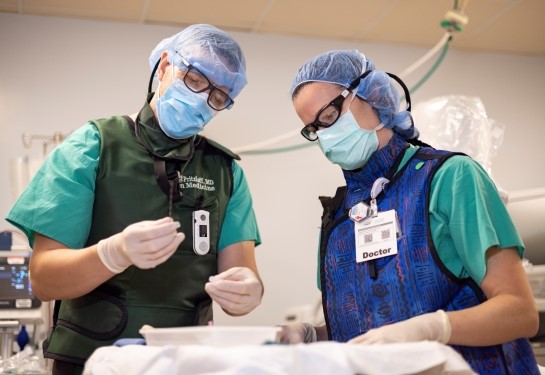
(145,244)
(432,326)
(297,333)
(237,290)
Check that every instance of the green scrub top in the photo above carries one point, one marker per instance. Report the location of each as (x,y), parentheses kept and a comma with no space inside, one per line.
(58,201)
(467,217)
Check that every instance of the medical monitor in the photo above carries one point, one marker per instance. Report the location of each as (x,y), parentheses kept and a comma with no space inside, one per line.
(15,291)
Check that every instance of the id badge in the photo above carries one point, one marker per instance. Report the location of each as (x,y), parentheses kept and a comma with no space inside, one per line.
(376,237)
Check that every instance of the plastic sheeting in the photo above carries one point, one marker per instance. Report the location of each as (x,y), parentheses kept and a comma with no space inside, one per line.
(460,123)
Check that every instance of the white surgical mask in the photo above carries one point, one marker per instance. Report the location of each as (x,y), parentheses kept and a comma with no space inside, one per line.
(346,144)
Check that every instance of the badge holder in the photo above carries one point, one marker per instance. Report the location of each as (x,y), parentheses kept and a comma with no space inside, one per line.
(201,232)
(375,233)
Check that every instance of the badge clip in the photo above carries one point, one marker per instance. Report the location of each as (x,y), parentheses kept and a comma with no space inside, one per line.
(359,212)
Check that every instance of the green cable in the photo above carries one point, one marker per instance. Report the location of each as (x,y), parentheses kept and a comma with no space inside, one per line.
(432,69)
(275,150)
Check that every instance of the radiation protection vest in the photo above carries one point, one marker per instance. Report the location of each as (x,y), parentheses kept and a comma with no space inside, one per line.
(360,296)
(127,191)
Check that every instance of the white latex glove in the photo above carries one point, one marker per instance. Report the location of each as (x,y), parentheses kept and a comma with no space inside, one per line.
(297,333)
(432,326)
(237,290)
(145,244)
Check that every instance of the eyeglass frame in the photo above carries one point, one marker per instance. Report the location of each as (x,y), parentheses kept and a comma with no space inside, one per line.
(337,103)
(210,85)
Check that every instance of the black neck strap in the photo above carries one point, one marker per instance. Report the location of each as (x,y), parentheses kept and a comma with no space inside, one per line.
(169,184)
(150,83)
(357,81)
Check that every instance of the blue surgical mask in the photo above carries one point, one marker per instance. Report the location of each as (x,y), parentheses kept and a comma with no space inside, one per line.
(181,112)
(346,144)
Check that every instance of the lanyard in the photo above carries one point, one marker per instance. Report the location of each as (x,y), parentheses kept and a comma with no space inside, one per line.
(170,185)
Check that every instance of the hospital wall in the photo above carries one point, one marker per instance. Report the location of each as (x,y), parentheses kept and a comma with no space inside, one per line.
(56,73)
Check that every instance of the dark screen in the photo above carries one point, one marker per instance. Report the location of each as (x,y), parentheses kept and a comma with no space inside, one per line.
(14,281)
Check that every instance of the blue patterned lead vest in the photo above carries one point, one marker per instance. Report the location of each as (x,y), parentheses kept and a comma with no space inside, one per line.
(361,296)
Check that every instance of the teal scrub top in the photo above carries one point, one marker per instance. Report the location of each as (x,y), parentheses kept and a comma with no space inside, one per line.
(467,217)
(58,201)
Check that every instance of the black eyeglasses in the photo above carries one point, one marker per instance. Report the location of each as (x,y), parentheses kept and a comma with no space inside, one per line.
(326,117)
(198,82)
(330,113)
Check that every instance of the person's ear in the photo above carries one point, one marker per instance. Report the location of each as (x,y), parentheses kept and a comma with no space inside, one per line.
(163,64)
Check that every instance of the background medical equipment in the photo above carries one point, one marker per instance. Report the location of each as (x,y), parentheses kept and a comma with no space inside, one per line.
(21,313)
(23,168)
(22,316)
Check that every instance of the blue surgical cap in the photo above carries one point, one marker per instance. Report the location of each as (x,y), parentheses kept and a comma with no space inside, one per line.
(211,50)
(344,66)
